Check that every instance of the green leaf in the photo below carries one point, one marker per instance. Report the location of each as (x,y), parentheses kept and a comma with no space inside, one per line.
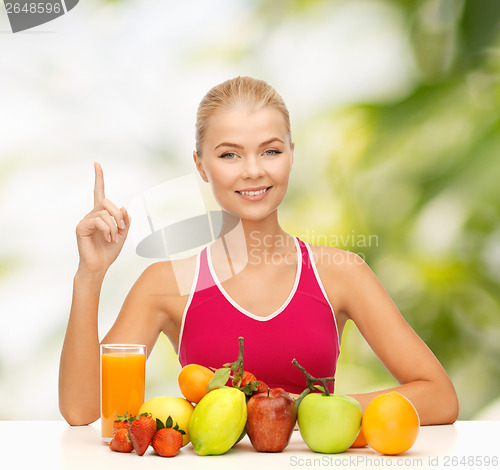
(125,417)
(176,427)
(235,367)
(220,378)
(159,424)
(169,423)
(320,388)
(250,387)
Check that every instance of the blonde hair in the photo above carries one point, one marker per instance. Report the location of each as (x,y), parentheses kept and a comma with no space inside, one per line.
(247,92)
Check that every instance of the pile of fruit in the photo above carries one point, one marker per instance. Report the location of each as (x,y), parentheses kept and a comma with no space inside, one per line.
(221,406)
(138,433)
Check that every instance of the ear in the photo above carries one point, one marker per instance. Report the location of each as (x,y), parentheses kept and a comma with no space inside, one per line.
(291,159)
(199,166)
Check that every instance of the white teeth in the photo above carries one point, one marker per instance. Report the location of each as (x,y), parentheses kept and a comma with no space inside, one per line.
(253,193)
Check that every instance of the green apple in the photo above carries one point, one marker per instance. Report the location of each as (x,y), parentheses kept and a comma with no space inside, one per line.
(329,423)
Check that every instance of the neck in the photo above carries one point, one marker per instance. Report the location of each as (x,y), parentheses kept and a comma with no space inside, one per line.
(248,236)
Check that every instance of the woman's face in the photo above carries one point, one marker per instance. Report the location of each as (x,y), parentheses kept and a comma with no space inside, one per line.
(247,158)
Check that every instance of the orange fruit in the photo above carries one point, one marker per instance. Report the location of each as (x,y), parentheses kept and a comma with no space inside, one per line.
(390,423)
(360,440)
(193,380)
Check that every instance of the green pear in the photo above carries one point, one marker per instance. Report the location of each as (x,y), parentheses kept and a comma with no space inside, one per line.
(218,421)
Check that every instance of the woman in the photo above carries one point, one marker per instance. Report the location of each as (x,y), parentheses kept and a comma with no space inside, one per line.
(286,298)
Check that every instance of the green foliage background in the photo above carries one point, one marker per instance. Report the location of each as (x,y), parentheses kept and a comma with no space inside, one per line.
(422,174)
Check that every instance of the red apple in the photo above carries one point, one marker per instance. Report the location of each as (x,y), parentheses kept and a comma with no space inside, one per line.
(271,418)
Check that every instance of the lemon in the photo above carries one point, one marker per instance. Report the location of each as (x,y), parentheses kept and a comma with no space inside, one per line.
(179,408)
(218,421)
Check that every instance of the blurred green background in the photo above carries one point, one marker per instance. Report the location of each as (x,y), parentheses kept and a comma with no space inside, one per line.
(395,117)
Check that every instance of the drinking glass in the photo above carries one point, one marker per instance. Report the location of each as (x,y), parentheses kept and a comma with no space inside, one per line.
(123,372)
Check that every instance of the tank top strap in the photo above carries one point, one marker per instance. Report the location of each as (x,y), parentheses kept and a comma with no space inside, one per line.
(307,274)
(205,279)
(310,282)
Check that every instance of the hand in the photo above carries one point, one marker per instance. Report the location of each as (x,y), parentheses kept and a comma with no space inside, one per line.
(102,232)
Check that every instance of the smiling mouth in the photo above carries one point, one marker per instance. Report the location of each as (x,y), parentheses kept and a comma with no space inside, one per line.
(254,193)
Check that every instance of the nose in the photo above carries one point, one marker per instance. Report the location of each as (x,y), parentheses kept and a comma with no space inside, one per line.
(252,168)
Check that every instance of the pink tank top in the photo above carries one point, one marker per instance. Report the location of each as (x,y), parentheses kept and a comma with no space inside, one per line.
(304,328)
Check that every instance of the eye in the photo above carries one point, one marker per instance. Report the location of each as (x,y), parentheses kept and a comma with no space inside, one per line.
(272,152)
(228,156)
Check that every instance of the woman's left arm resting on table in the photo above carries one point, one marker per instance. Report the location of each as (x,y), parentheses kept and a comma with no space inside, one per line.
(421,377)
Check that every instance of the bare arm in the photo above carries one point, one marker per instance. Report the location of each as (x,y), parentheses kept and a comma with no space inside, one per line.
(422,379)
(79,366)
(100,237)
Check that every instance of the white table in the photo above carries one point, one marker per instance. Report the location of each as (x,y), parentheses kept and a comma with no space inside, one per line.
(58,445)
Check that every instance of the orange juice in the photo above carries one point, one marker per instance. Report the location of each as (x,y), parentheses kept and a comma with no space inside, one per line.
(122,383)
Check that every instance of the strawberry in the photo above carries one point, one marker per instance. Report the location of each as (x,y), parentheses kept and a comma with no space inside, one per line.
(247,377)
(167,442)
(141,432)
(168,438)
(121,441)
(121,423)
(250,385)
(262,388)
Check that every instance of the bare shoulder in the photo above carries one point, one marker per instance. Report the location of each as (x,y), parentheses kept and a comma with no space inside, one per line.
(156,302)
(341,272)
(167,285)
(334,261)
(173,277)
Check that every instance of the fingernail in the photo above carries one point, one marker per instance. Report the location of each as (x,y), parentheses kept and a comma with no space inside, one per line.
(122,224)
(109,238)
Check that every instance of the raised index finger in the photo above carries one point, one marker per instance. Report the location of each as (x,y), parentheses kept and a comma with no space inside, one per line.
(99,184)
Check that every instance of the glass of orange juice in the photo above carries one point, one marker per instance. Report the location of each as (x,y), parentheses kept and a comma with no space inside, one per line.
(123,372)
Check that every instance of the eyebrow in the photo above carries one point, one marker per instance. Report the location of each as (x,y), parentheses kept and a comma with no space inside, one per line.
(238,146)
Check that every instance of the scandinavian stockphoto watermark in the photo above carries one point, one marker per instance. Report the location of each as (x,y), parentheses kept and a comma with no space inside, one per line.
(25,15)
(353,242)
(176,219)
